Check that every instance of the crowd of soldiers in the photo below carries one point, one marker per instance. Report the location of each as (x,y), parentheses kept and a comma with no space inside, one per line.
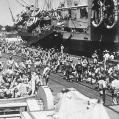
(23,78)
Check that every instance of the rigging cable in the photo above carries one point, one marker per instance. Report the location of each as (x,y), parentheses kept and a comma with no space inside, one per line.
(36,4)
(44,4)
(25,2)
(21,3)
(10,11)
(47,4)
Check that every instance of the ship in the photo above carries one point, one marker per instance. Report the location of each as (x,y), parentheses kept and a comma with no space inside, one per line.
(35,27)
(79,25)
(89,25)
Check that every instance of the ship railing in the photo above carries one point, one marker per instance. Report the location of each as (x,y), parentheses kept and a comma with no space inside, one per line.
(12,110)
(14,106)
(73,7)
(69,29)
(11,116)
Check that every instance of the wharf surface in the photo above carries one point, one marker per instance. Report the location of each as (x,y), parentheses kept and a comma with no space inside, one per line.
(57,83)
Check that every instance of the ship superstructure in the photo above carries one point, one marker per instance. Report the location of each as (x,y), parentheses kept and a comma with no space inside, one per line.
(89,25)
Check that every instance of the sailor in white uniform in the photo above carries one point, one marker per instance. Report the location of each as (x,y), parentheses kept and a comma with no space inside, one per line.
(46,74)
(10,62)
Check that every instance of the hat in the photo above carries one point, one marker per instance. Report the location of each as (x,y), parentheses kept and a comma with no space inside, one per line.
(114,75)
(10,57)
(37,58)
(106,51)
(79,58)
(71,60)
(7,85)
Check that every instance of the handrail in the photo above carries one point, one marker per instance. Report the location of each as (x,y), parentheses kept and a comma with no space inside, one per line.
(23,104)
(10,116)
(11,100)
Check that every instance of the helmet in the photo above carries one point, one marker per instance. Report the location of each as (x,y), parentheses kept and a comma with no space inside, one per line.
(10,57)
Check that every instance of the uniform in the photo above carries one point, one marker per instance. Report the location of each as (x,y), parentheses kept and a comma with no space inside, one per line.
(115,90)
(69,71)
(102,89)
(46,73)
(79,71)
(10,63)
(1,66)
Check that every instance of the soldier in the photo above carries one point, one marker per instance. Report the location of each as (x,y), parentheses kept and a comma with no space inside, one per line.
(10,62)
(38,64)
(62,49)
(28,62)
(59,63)
(69,70)
(106,57)
(115,89)
(95,57)
(102,88)
(46,74)
(7,91)
(1,66)
(78,68)
(84,63)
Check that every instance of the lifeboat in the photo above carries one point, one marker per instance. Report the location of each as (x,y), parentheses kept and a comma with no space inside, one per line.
(97,13)
(111,13)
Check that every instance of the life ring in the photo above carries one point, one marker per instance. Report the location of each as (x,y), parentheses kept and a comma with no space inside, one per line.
(111,13)
(97,13)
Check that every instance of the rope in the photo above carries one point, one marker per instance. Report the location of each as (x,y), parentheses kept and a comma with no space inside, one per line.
(25,2)
(73,23)
(10,11)
(48,4)
(20,3)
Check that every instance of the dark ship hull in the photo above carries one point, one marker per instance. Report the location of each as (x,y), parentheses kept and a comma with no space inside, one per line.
(47,39)
(87,48)
(77,45)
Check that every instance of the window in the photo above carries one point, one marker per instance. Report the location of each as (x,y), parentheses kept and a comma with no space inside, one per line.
(84,12)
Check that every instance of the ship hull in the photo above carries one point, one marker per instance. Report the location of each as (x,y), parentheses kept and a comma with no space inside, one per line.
(47,39)
(79,45)
(88,47)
